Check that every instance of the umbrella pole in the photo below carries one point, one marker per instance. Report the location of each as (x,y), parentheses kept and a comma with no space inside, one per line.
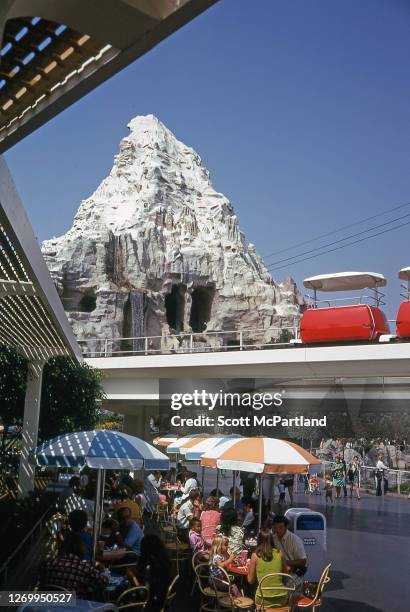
(234,487)
(260,503)
(217,484)
(203,477)
(97,512)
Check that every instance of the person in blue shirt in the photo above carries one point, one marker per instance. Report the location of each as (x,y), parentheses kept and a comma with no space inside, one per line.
(129,531)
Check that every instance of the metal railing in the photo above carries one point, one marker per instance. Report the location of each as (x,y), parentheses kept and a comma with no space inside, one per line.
(396,478)
(187,342)
(28,539)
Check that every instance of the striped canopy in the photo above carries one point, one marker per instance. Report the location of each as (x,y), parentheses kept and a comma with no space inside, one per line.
(258,455)
(182,444)
(164,440)
(205,446)
(101,449)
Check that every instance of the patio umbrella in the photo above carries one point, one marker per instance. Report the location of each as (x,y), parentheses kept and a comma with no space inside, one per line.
(194,453)
(165,440)
(260,455)
(100,449)
(182,444)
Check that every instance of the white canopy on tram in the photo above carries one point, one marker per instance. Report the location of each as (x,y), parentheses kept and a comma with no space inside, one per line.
(345,281)
(404,274)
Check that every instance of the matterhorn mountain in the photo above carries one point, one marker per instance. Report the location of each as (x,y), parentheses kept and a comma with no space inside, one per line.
(157,251)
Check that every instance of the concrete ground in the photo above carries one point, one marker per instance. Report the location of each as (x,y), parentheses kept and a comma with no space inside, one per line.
(368,545)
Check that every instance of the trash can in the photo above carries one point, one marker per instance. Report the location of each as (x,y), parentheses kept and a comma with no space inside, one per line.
(310,526)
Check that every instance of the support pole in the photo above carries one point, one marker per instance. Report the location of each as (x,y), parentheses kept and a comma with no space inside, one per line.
(260,503)
(97,510)
(30,426)
(217,484)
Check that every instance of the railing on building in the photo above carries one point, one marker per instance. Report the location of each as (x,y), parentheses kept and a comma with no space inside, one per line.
(212,341)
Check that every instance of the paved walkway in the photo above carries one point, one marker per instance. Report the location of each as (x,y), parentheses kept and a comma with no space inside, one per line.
(368,545)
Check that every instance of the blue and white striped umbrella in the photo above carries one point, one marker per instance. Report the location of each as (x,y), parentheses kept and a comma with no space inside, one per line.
(100,449)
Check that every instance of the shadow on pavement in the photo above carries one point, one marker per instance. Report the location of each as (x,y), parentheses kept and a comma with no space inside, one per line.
(343,605)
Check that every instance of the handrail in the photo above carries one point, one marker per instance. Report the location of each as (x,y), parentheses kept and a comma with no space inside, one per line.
(150,345)
(3,568)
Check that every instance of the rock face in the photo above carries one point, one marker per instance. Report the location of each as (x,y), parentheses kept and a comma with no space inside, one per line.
(157,251)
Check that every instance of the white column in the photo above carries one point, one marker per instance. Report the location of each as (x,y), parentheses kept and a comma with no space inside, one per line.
(30,426)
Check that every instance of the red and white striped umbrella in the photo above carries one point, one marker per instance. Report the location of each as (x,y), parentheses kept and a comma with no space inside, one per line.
(182,444)
(260,455)
(164,440)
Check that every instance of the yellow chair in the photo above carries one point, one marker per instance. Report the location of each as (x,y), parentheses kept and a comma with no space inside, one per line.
(315,602)
(270,592)
(135,598)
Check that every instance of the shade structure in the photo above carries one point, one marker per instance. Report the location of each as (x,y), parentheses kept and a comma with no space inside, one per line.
(100,449)
(345,281)
(186,442)
(205,446)
(260,455)
(165,440)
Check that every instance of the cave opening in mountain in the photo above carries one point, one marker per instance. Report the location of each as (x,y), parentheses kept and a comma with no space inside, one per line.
(175,306)
(88,303)
(201,307)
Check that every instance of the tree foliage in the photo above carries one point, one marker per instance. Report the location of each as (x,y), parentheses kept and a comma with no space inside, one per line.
(70,393)
(13,382)
(69,398)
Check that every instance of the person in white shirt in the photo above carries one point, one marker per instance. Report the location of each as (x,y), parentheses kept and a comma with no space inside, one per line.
(155,479)
(189,509)
(379,475)
(292,549)
(190,484)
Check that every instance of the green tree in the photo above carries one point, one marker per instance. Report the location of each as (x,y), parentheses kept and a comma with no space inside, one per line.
(13,382)
(70,394)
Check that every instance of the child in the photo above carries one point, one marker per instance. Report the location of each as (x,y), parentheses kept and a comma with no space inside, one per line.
(196,540)
(329,490)
(221,557)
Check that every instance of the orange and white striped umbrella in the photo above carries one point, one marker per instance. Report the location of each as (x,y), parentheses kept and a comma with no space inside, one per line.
(186,442)
(260,455)
(164,440)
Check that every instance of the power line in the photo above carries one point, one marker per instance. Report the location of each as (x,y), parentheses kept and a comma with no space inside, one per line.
(324,246)
(390,229)
(336,231)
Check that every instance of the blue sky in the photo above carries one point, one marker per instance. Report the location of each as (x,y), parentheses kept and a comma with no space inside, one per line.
(300,110)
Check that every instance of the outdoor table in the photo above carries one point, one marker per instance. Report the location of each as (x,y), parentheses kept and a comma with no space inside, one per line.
(114,555)
(239,570)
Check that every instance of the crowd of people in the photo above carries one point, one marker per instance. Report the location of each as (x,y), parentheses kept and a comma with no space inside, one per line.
(221,530)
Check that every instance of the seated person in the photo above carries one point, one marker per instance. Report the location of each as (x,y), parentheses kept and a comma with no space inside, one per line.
(77,519)
(210,519)
(190,509)
(190,484)
(250,521)
(230,529)
(155,571)
(70,571)
(291,547)
(126,532)
(134,506)
(219,557)
(196,541)
(267,560)
(237,503)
